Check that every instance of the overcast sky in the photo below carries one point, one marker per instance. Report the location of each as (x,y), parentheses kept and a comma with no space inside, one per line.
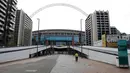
(63,17)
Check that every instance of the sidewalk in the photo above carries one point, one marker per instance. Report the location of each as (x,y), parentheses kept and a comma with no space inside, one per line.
(67,64)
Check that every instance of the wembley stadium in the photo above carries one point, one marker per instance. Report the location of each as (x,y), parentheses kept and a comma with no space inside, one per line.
(58,37)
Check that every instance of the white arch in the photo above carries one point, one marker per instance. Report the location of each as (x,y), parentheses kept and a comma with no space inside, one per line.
(58,4)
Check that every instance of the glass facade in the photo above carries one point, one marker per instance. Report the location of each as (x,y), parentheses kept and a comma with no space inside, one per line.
(58,36)
(57,39)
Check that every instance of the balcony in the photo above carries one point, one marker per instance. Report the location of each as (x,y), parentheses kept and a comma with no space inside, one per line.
(3,2)
(11,29)
(105,13)
(10,25)
(1,24)
(102,18)
(12,22)
(106,21)
(13,7)
(98,21)
(12,10)
(15,1)
(101,13)
(2,20)
(12,14)
(1,29)
(2,15)
(2,6)
(11,18)
(98,16)
(97,13)
(0,35)
(2,11)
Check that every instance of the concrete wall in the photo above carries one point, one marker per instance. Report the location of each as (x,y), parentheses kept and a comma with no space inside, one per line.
(16,55)
(107,58)
(5,57)
(90,51)
(100,56)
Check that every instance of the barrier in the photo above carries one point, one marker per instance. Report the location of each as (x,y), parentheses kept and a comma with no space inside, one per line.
(102,54)
(106,55)
(17,53)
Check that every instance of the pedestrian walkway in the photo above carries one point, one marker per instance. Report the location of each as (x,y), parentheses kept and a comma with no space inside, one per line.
(67,64)
(59,64)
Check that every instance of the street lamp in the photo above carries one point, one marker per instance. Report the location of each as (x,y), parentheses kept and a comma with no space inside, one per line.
(38,35)
(81,34)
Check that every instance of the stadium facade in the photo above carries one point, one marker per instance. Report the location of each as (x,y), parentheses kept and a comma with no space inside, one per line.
(58,37)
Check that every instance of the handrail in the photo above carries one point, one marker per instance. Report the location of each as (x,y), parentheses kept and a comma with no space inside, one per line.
(102,51)
(1,52)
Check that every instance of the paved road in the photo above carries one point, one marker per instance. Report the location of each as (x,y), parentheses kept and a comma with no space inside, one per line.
(59,64)
(40,65)
(67,64)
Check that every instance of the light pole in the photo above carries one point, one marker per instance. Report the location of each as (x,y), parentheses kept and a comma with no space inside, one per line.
(38,35)
(81,34)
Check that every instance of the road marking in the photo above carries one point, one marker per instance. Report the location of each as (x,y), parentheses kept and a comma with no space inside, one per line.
(31,70)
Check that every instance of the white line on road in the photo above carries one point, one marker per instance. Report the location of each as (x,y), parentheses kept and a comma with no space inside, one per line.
(31,71)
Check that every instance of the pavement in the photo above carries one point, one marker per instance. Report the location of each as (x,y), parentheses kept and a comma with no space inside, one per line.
(36,65)
(59,64)
(67,64)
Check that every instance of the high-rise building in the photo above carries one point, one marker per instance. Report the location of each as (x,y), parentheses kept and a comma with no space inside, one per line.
(23,29)
(114,31)
(3,8)
(7,21)
(88,30)
(96,25)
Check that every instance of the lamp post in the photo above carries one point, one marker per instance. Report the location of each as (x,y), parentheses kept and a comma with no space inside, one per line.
(38,35)
(81,34)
